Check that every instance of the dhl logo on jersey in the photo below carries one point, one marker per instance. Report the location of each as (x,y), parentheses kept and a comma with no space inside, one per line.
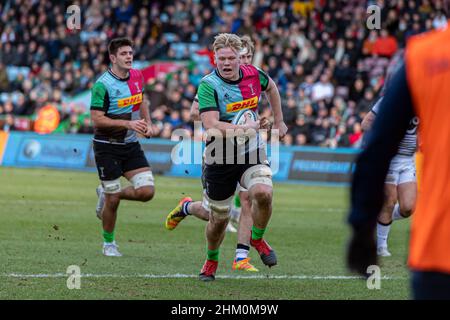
(125,102)
(241,105)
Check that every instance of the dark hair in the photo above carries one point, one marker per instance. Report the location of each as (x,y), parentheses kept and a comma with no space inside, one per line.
(116,43)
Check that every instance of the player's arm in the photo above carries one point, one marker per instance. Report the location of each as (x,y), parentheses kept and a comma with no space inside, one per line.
(367,192)
(195,114)
(144,111)
(273,96)
(368,121)
(209,112)
(99,107)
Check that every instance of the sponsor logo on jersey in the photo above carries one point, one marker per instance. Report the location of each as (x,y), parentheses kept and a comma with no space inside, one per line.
(241,105)
(125,102)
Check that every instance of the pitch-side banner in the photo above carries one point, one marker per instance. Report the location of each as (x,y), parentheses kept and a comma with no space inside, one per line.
(311,164)
(66,151)
(53,150)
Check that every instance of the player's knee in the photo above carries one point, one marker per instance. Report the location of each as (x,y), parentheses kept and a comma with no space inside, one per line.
(145,194)
(389,202)
(142,179)
(406,210)
(406,213)
(220,213)
(218,210)
(257,175)
(112,200)
(262,195)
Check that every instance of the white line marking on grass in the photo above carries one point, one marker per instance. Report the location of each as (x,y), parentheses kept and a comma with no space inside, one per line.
(312,210)
(41,202)
(189,276)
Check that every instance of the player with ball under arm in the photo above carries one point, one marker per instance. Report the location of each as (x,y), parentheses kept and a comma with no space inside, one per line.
(222,94)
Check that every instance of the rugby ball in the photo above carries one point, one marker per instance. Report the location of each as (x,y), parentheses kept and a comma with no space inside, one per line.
(241,117)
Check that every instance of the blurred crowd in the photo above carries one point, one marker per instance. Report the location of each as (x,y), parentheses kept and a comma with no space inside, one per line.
(329,66)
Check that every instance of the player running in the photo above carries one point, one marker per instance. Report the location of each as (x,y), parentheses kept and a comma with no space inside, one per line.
(400,182)
(117,116)
(241,202)
(232,87)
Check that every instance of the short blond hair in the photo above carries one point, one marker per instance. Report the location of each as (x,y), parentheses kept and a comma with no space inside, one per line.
(248,43)
(227,40)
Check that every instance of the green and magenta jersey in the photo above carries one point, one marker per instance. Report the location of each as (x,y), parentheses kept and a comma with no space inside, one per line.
(216,93)
(229,97)
(119,99)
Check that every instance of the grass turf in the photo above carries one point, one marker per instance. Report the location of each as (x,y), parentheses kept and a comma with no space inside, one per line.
(48,222)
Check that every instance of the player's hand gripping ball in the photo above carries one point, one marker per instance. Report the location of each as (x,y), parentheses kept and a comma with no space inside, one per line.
(241,118)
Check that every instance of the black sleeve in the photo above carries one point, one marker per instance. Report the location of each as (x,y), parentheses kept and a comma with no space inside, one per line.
(367,190)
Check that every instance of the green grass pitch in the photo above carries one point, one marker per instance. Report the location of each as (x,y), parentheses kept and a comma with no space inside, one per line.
(48,222)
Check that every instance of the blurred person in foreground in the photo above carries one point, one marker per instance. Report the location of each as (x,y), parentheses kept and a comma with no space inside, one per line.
(426,57)
(400,184)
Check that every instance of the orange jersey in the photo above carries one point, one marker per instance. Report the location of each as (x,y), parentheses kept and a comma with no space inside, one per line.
(428,73)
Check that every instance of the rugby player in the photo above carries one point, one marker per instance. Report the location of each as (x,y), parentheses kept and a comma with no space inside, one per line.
(220,94)
(241,201)
(400,184)
(118,116)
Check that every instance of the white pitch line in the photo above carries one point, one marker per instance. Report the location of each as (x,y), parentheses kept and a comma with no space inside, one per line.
(190,276)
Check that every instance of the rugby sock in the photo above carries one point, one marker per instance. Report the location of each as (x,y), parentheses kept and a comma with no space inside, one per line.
(237,201)
(213,255)
(382,234)
(185,208)
(257,233)
(108,237)
(396,215)
(242,251)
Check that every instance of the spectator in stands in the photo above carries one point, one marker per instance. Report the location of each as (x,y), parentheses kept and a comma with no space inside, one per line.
(315,51)
(4,82)
(355,137)
(385,46)
(323,89)
(9,123)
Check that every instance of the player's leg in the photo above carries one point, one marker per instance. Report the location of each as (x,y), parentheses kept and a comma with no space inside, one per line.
(196,209)
(215,233)
(235,211)
(236,207)
(385,219)
(390,199)
(407,191)
(136,169)
(109,217)
(108,163)
(242,261)
(258,180)
(407,194)
(185,207)
(220,188)
(142,185)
